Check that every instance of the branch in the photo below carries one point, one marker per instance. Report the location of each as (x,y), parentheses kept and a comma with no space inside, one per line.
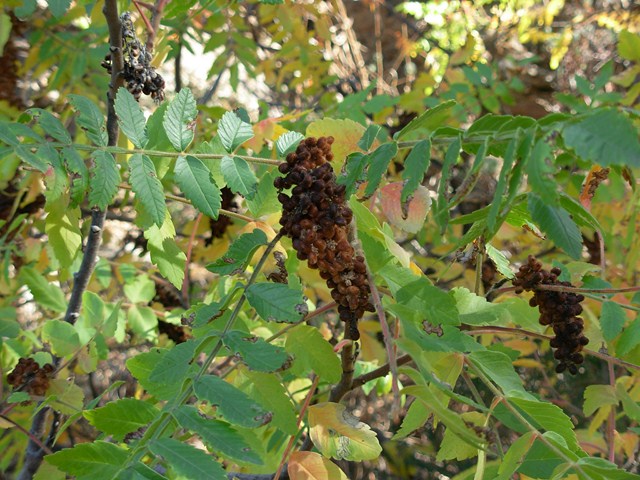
(378,372)
(34,452)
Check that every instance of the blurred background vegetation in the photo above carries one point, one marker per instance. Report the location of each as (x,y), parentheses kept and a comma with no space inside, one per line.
(285,65)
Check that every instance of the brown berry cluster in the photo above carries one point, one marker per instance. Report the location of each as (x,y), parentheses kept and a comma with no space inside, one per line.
(139,76)
(317,220)
(560,310)
(31,377)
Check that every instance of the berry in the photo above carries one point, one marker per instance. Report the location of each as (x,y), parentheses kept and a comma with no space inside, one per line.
(559,310)
(317,219)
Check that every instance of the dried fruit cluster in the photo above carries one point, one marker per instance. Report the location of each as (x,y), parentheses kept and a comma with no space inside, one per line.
(317,220)
(29,375)
(139,76)
(560,310)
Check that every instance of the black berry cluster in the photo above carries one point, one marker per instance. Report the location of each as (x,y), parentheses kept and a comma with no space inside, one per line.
(560,310)
(139,76)
(317,220)
(28,374)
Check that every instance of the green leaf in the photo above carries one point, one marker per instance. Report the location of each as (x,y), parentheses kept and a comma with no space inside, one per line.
(219,436)
(606,137)
(51,125)
(165,253)
(287,143)
(233,404)
(268,391)
(540,172)
(515,456)
(239,254)
(142,321)
(195,181)
(556,222)
(265,199)
(498,367)
(599,468)
(500,260)
(549,417)
(441,211)
(141,367)
(178,117)
(451,419)
(255,352)
(63,231)
(97,460)
(45,293)
(354,166)
(9,326)
(579,214)
(476,310)
(175,364)
(239,176)
(62,337)
(597,396)
(369,136)
(27,156)
(130,118)
(187,461)
(378,165)
(59,7)
(540,461)
(104,181)
(233,132)
(90,119)
(277,302)
(612,319)
(501,186)
(121,417)
(92,309)
(629,45)
(629,338)
(429,302)
(80,181)
(415,166)
(140,289)
(313,352)
(429,121)
(147,187)
(417,415)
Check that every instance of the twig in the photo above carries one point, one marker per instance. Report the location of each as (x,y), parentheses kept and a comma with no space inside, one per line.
(185,283)
(388,340)
(27,433)
(378,372)
(611,421)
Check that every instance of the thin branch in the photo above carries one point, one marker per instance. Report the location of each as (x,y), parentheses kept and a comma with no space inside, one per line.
(611,421)
(379,372)
(185,283)
(27,433)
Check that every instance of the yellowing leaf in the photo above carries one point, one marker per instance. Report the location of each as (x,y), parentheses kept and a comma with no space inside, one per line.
(340,435)
(311,466)
(346,135)
(417,208)
(69,397)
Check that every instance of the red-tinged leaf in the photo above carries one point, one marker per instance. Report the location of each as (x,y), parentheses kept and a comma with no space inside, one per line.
(418,206)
